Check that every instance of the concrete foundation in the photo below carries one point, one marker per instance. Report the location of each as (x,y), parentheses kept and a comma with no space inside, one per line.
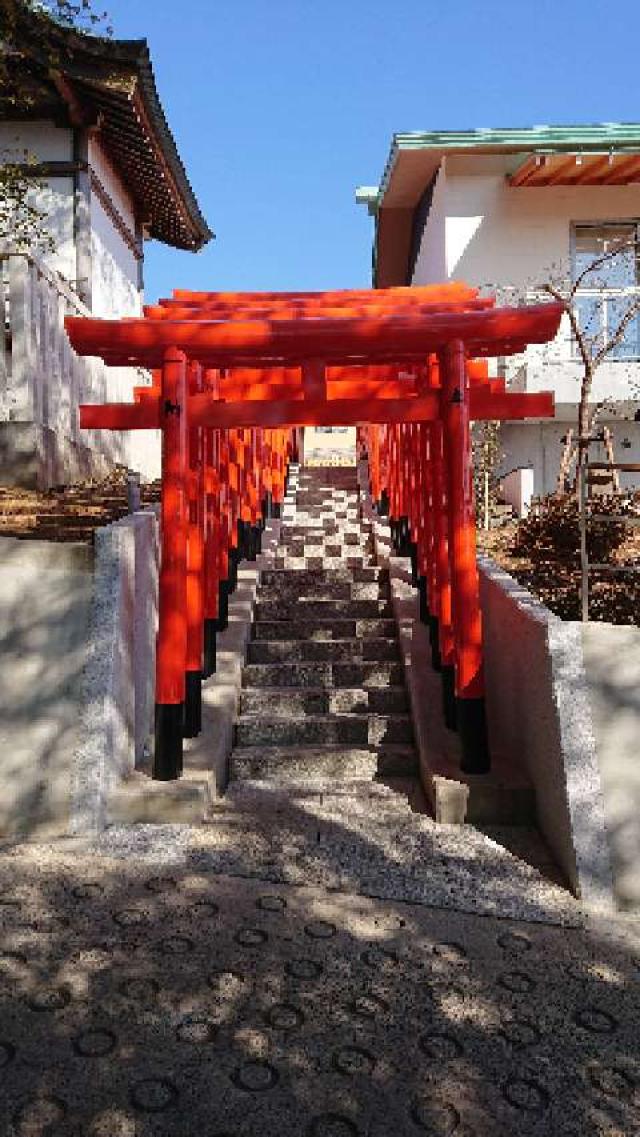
(539,709)
(611,660)
(36,457)
(118,678)
(45,603)
(136,798)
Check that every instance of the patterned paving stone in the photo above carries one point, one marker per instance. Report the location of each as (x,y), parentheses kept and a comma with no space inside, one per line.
(242,1008)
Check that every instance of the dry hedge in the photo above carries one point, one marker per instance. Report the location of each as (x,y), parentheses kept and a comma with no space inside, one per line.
(551,530)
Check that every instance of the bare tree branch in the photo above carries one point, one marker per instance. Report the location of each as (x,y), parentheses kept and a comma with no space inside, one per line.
(618,335)
(604,258)
(578,333)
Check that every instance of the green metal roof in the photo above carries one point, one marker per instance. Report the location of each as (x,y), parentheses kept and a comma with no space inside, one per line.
(554,137)
(541,139)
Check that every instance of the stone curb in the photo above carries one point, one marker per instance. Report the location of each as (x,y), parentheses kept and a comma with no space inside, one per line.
(206,758)
(498,798)
(573,824)
(111,783)
(538,698)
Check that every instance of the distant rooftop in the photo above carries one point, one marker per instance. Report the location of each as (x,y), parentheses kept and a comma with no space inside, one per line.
(600,154)
(420,151)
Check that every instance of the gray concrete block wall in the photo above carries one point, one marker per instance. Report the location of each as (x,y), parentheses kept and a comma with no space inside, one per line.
(145,626)
(612,667)
(563,703)
(538,708)
(45,604)
(119,673)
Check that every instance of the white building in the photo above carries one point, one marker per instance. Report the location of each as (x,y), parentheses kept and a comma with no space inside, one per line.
(110,178)
(512,209)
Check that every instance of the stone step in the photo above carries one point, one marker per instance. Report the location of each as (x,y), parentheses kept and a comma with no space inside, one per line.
(305,763)
(331,547)
(285,608)
(324,526)
(358,729)
(309,563)
(345,488)
(325,590)
(347,651)
(315,540)
(329,516)
(362,675)
(325,523)
(327,549)
(343,498)
(319,531)
(316,578)
(321,629)
(281,804)
(293,702)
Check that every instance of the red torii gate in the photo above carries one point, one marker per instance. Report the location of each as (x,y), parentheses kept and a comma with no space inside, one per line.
(234,373)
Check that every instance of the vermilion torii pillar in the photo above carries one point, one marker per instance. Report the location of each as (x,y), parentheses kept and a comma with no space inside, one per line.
(461,517)
(171,654)
(313,359)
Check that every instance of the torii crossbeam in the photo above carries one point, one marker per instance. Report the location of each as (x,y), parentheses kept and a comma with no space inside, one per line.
(235,373)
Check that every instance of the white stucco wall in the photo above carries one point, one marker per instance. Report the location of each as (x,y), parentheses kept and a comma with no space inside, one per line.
(431,265)
(114,290)
(42,140)
(511,236)
(45,142)
(539,446)
(115,268)
(114,285)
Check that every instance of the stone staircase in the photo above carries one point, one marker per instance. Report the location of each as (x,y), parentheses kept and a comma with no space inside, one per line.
(324,791)
(323,691)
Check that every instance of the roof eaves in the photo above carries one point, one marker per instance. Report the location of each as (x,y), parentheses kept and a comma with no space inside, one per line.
(554,137)
(202,232)
(83,56)
(389,168)
(605,136)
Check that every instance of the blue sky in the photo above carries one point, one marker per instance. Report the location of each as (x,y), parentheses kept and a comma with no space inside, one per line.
(280,109)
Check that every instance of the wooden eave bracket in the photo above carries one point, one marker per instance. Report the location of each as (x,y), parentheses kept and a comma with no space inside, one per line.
(79,114)
(577,169)
(532,165)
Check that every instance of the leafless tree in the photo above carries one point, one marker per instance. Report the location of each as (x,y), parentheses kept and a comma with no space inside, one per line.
(487,453)
(594,348)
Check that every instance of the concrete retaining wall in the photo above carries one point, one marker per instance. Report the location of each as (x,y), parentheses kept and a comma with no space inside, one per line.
(45,604)
(77,683)
(118,697)
(540,708)
(611,657)
(563,711)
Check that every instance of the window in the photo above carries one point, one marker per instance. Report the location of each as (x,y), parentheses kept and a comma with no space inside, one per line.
(606,294)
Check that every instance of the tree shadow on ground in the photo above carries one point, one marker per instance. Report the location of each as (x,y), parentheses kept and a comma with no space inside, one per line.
(144,999)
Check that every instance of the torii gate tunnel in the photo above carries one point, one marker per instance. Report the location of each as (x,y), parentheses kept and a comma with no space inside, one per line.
(234,375)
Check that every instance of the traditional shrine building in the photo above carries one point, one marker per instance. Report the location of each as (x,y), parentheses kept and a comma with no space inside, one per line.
(82,115)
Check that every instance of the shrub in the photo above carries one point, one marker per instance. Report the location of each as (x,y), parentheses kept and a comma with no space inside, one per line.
(551,531)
